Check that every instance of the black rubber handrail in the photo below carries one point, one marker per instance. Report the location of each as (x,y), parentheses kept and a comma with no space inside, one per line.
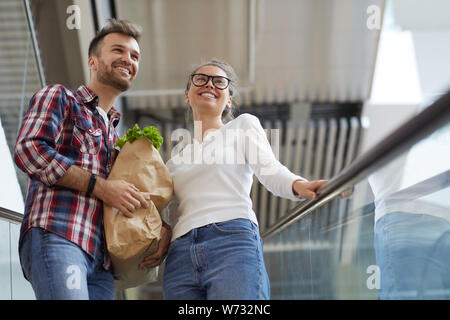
(412,131)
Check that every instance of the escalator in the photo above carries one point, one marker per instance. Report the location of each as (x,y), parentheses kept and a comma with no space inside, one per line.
(380,229)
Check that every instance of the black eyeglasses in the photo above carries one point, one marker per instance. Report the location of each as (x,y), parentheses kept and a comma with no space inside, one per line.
(200,79)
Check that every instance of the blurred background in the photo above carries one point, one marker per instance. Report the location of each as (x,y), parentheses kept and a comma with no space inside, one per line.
(336,77)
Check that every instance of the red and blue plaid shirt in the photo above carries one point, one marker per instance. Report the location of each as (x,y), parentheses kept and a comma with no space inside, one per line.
(62,128)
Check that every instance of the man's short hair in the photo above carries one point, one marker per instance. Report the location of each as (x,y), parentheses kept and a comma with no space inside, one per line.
(114,26)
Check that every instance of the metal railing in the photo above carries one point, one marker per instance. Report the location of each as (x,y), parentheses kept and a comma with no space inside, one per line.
(34,41)
(417,128)
(11,216)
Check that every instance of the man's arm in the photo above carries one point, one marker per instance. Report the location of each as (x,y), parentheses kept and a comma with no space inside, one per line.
(35,153)
(117,193)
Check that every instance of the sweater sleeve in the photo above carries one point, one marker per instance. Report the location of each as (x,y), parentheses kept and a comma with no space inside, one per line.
(259,155)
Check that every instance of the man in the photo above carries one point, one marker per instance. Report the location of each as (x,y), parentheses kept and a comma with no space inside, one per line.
(65,145)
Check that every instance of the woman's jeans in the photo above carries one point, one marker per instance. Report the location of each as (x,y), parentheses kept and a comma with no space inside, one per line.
(218,261)
(413,254)
(59,269)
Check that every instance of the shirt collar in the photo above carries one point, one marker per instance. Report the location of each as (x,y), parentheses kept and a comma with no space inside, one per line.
(87,96)
(90,99)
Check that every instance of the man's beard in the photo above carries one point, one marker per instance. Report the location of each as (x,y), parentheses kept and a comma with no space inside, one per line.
(109,78)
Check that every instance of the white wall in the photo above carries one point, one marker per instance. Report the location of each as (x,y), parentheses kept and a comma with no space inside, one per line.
(413,64)
(412,70)
(10,194)
(429,23)
(12,283)
(396,93)
(432,49)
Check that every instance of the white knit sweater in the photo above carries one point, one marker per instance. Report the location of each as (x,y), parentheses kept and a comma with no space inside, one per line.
(212,180)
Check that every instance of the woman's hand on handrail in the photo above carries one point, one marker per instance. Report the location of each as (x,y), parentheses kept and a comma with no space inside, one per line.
(307,189)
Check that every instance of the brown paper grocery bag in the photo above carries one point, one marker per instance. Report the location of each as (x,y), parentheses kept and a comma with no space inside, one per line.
(130,240)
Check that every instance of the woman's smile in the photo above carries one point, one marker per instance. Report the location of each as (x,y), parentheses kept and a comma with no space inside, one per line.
(207,99)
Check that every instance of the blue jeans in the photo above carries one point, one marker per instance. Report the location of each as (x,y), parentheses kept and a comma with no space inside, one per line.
(59,269)
(413,254)
(218,261)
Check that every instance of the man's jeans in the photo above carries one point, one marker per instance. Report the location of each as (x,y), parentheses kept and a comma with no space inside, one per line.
(218,261)
(59,269)
(413,253)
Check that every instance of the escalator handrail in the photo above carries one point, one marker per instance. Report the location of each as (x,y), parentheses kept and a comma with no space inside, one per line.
(11,216)
(418,127)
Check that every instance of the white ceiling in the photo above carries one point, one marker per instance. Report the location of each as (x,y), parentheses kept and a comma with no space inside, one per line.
(282,51)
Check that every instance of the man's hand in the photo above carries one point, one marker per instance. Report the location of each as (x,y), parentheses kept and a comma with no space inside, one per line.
(117,193)
(307,189)
(121,195)
(163,247)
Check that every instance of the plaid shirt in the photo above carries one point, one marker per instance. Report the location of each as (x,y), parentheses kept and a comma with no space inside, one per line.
(62,128)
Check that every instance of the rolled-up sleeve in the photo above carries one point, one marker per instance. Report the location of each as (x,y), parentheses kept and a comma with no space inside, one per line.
(35,152)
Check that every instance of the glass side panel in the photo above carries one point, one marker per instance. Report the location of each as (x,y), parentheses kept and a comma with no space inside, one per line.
(5,266)
(21,288)
(18,81)
(390,239)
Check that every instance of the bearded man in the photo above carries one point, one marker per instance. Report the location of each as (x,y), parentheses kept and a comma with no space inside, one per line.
(66,146)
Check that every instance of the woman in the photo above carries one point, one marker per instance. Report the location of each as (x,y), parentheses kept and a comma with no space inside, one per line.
(216,250)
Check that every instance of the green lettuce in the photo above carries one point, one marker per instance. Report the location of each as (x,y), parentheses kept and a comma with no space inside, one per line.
(151,133)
